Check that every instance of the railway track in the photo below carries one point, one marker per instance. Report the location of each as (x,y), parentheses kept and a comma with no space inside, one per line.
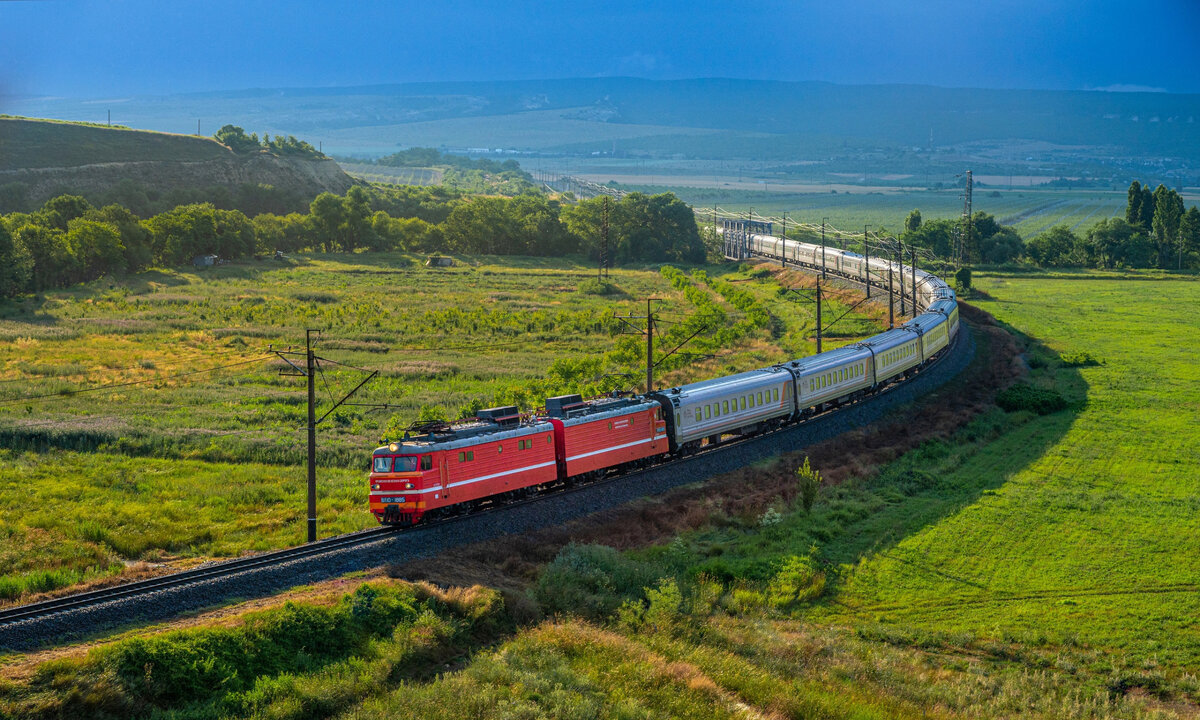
(32,613)
(208,571)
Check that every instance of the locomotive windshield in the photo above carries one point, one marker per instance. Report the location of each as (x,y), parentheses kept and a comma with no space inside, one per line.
(404,463)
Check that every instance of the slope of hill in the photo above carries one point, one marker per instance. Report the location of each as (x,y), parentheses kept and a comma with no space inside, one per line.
(43,158)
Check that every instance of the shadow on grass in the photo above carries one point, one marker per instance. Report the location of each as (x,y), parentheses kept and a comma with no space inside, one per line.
(922,487)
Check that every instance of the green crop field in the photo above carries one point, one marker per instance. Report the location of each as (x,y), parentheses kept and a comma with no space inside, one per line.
(122,401)
(1031,212)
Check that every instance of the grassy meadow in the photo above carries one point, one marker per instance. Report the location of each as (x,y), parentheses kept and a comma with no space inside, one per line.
(1033,565)
(143,419)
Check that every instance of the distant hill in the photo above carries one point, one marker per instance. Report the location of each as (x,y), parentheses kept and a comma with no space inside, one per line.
(846,128)
(40,159)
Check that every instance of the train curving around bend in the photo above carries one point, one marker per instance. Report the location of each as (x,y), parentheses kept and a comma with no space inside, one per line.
(502,455)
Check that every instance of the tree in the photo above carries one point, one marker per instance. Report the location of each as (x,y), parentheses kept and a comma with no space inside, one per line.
(912,223)
(963,278)
(328,214)
(1133,207)
(53,263)
(1116,242)
(61,210)
(1189,232)
(190,230)
(236,139)
(1001,246)
(355,230)
(934,235)
(1168,213)
(97,249)
(1146,209)
(16,265)
(1056,247)
(136,238)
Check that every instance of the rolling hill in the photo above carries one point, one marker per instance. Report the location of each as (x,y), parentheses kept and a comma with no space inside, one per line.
(40,159)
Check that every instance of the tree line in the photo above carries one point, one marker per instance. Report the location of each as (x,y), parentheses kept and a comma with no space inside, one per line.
(236,139)
(69,240)
(1156,232)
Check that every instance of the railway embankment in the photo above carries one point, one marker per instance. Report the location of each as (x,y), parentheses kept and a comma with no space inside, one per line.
(510,536)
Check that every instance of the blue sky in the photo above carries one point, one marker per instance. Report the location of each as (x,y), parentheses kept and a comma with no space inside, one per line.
(86,48)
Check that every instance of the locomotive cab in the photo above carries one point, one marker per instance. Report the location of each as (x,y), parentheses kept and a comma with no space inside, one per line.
(398,480)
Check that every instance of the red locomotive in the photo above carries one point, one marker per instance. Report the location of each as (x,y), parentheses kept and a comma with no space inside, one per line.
(502,455)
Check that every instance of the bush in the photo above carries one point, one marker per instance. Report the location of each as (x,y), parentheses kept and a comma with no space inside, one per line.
(592,286)
(1080,359)
(810,482)
(590,581)
(195,665)
(963,278)
(1024,396)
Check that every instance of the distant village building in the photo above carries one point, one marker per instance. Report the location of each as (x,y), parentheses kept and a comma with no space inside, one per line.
(439,261)
(205,260)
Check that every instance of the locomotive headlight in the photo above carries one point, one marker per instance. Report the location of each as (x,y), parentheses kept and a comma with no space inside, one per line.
(393,447)
(408,486)
(374,486)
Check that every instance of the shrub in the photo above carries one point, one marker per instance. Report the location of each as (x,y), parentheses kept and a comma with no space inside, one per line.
(660,612)
(1080,359)
(592,286)
(810,482)
(963,278)
(591,581)
(1023,396)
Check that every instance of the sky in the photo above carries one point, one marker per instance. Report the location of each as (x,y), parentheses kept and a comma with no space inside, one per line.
(93,49)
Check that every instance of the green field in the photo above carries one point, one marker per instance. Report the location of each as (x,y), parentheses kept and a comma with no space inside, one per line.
(1031,212)
(1079,525)
(1025,565)
(122,401)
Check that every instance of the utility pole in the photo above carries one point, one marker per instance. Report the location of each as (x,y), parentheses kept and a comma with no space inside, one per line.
(311,367)
(649,331)
(867,262)
(603,271)
(745,251)
(110,118)
(964,243)
(899,259)
(818,316)
(649,347)
(197,126)
(912,249)
(783,245)
(309,371)
(891,300)
(822,247)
